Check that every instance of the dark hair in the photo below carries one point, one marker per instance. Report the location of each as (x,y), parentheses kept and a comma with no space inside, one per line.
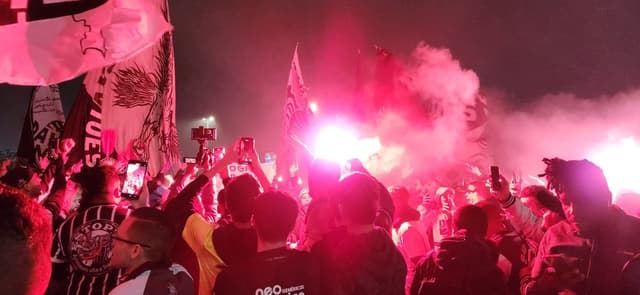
(93,181)
(19,173)
(25,245)
(473,219)
(150,227)
(545,197)
(241,193)
(358,195)
(580,178)
(274,216)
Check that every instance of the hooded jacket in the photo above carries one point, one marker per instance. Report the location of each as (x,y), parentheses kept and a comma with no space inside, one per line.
(366,263)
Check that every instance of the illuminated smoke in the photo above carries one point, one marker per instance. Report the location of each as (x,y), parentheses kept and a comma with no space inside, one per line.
(427,143)
(435,74)
(423,131)
(620,162)
(605,130)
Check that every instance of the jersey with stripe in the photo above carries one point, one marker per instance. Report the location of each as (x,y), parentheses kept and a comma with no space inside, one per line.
(83,243)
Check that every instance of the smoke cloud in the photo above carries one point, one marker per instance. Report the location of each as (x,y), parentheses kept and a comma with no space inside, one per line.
(561,125)
(434,142)
(424,133)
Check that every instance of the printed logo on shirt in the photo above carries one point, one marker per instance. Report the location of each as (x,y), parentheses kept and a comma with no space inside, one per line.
(278,290)
(91,246)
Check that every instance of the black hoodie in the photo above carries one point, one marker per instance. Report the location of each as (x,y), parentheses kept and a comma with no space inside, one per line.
(366,263)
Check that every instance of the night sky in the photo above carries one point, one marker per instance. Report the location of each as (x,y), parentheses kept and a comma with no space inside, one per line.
(233,57)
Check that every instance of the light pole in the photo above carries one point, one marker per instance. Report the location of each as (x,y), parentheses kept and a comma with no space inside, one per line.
(207,120)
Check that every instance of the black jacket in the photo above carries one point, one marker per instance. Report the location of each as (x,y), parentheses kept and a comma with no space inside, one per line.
(367,263)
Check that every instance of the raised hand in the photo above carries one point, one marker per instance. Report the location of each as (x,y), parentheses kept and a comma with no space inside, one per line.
(504,192)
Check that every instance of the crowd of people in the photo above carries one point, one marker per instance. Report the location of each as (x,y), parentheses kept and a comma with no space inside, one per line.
(66,230)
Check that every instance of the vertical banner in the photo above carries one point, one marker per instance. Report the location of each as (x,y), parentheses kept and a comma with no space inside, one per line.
(139,103)
(84,126)
(43,124)
(295,120)
(384,80)
(476,150)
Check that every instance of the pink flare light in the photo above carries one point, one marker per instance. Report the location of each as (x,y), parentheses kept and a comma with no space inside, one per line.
(620,163)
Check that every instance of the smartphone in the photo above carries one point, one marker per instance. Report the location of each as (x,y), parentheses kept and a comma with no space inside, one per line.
(247,144)
(495,178)
(202,133)
(189,160)
(132,184)
(218,153)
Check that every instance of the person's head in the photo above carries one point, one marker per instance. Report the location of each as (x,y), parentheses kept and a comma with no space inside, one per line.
(357,196)
(98,183)
(240,194)
(323,178)
(476,192)
(23,176)
(144,236)
(583,192)
(539,199)
(472,219)
(274,216)
(495,217)
(25,245)
(400,196)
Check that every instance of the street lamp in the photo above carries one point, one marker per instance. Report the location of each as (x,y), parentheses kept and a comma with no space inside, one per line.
(207,120)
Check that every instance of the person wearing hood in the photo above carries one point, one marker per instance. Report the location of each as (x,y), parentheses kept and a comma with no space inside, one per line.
(596,249)
(359,258)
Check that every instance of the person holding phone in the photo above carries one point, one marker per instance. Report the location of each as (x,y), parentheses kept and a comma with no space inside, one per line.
(588,253)
(217,246)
